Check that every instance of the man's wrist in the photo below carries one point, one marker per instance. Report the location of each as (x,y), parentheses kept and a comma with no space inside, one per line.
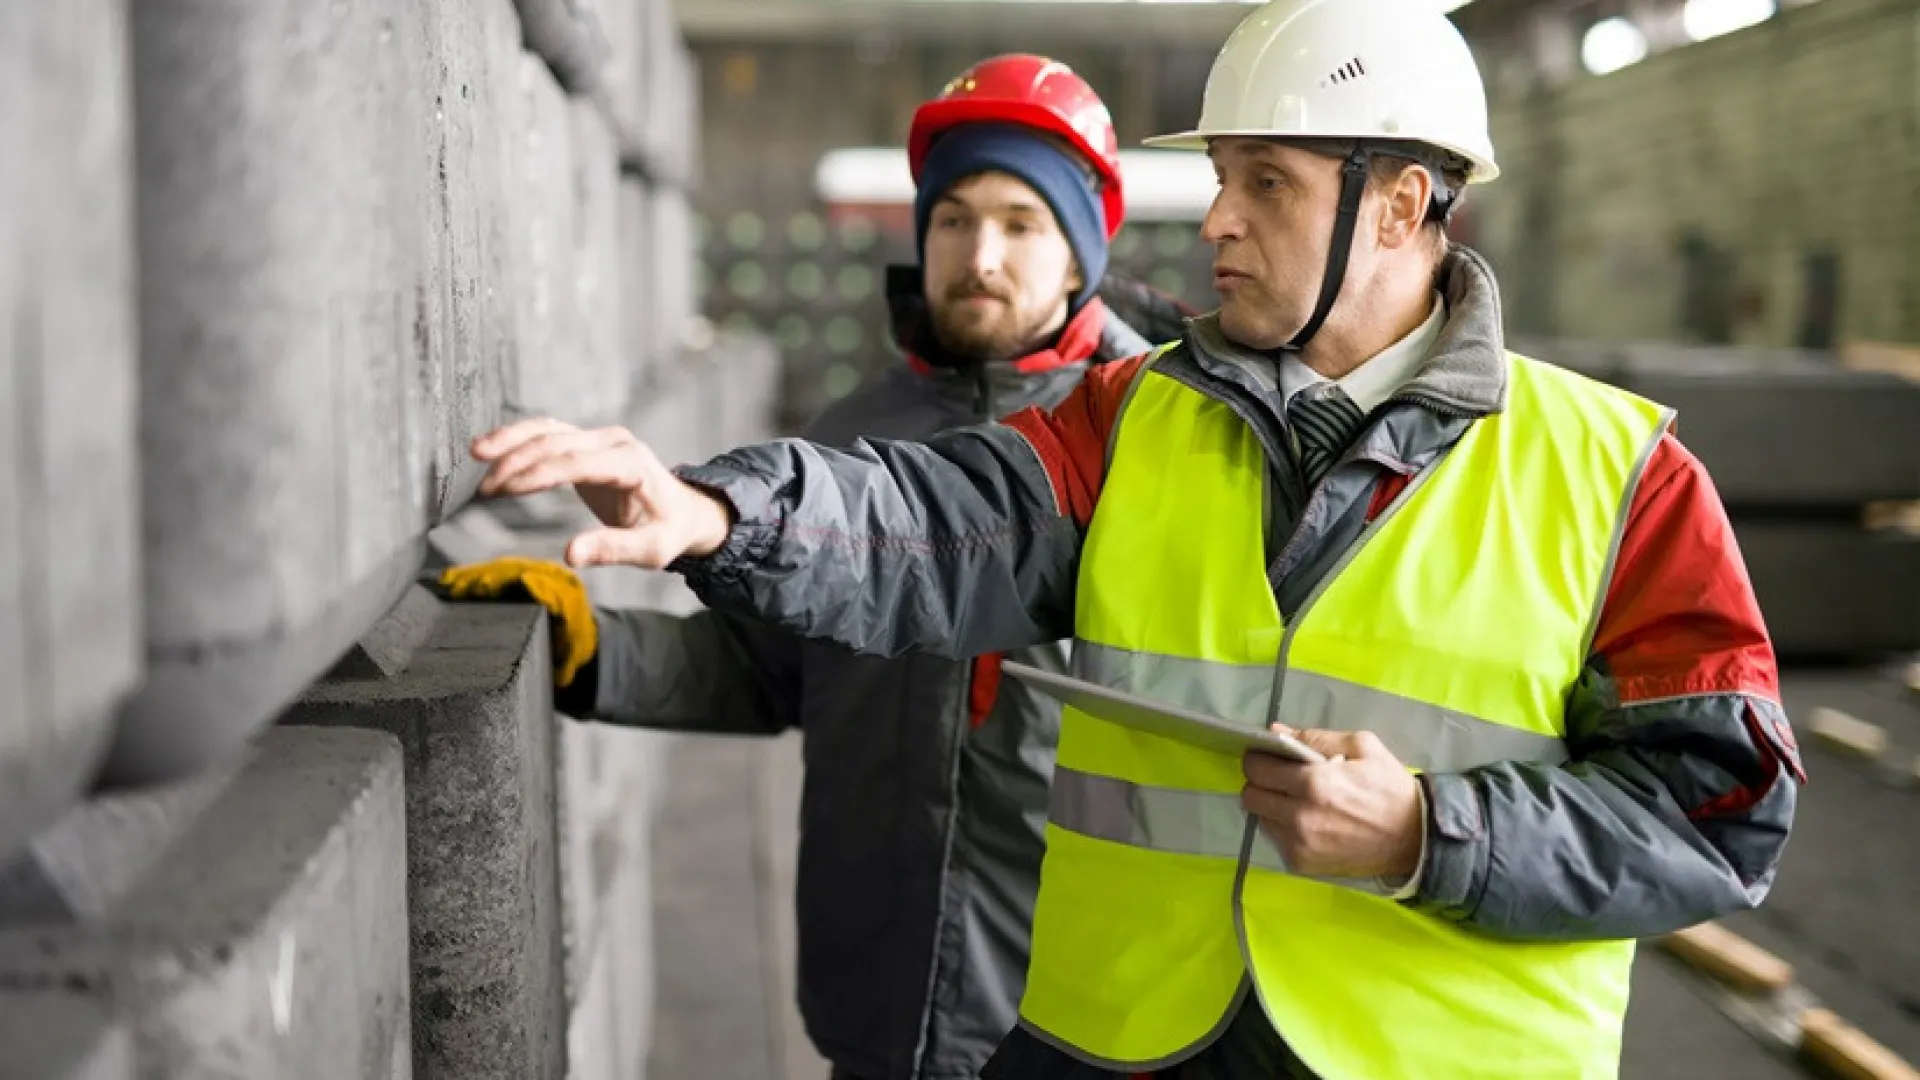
(1406,886)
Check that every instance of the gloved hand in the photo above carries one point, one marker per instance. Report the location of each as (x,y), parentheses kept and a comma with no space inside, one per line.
(549,584)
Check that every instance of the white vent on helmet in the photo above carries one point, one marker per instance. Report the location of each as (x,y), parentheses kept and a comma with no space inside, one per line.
(1345,73)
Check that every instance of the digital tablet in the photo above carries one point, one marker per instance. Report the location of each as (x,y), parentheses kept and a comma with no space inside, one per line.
(1159,718)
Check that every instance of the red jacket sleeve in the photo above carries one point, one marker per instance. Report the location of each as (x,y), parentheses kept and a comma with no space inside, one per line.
(1071,440)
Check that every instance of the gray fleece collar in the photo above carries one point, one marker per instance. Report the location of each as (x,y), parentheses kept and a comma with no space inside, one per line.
(1466,372)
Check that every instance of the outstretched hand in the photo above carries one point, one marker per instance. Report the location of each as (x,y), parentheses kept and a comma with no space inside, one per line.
(652,517)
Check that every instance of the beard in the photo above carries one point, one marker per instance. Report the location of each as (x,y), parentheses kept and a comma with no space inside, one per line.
(983,333)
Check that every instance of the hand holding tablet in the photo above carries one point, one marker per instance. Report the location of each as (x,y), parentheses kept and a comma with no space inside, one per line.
(1159,718)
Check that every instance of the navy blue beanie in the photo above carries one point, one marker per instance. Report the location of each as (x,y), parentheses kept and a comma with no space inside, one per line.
(1059,177)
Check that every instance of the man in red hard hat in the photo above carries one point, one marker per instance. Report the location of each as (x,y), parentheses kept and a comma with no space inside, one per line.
(927,778)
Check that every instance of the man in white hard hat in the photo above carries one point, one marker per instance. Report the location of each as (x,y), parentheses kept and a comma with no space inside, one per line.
(1500,599)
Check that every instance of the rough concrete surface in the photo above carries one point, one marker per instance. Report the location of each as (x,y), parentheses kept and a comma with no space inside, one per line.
(674,418)
(716,994)
(568,35)
(69,524)
(1834,589)
(81,866)
(640,340)
(668,127)
(628,897)
(602,370)
(266,944)
(569,363)
(593,1017)
(465,338)
(671,239)
(621,89)
(277,275)
(473,714)
(196,709)
(51,1037)
(1852,440)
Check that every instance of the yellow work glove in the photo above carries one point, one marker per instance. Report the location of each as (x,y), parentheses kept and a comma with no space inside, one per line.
(549,584)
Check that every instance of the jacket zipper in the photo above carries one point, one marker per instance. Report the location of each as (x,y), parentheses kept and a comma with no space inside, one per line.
(983,394)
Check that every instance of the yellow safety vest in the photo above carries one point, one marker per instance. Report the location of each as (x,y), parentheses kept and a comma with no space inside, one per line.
(1453,629)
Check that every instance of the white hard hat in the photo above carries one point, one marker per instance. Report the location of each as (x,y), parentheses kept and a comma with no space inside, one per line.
(1348,69)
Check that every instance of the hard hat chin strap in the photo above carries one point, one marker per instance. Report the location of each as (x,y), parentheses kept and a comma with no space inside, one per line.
(1353,184)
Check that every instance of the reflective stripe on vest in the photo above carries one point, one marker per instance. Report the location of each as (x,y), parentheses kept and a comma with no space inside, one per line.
(1452,629)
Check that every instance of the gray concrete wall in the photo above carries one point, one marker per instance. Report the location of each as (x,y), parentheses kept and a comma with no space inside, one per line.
(266,268)
(269,943)
(69,526)
(1760,151)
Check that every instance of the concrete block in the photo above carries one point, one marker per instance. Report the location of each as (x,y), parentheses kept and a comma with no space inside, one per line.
(716,1012)
(675,413)
(1833,590)
(609,778)
(282,450)
(629,935)
(268,942)
(592,1020)
(639,298)
(1779,430)
(45,1037)
(621,90)
(465,341)
(568,362)
(601,369)
(672,279)
(752,378)
(669,132)
(472,712)
(85,863)
(567,35)
(69,554)
(649,90)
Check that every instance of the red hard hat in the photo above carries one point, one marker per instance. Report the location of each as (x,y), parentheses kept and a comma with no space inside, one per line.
(1021,88)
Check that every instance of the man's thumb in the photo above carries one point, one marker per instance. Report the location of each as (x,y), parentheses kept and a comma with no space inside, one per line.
(639,546)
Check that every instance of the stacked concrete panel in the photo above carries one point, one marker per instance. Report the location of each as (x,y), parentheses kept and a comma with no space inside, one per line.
(674,251)
(363,233)
(641,319)
(569,360)
(466,339)
(1797,446)
(1654,203)
(468,694)
(567,34)
(52,1038)
(269,941)
(281,448)
(69,527)
(670,97)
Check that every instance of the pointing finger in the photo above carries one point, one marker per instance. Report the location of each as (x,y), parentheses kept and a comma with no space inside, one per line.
(615,467)
(502,440)
(536,451)
(640,546)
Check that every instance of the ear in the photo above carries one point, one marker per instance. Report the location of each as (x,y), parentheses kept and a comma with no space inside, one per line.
(1403,206)
(1076,280)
